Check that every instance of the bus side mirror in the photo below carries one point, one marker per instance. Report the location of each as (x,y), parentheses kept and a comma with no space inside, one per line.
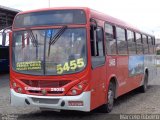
(4,38)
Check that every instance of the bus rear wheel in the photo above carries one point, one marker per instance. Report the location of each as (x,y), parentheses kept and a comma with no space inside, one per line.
(110,96)
(143,88)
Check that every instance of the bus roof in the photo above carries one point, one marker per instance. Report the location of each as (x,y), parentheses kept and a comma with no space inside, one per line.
(114,21)
(94,14)
(55,8)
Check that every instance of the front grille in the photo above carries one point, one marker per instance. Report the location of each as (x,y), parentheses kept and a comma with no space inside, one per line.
(45,83)
(55,92)
(45,101)
(47,92)
(34,91)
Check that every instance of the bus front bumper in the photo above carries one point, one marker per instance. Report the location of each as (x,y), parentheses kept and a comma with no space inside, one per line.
(80,102)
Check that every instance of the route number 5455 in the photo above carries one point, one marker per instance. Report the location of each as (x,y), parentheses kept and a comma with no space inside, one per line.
(71,65)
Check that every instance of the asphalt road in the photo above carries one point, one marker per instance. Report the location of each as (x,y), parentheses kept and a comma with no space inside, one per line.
(131,103)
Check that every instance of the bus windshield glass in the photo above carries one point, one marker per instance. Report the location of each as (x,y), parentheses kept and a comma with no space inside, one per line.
(52,17)
(40,52)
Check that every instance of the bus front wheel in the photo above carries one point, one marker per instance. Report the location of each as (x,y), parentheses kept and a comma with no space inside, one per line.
(110,97)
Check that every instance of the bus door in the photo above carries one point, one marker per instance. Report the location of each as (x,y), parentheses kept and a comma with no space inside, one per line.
(98,73)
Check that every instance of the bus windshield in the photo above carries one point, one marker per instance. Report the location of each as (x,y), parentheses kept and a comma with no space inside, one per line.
(40,52)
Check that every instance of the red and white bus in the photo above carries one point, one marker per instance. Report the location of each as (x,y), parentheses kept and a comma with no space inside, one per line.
(76,59)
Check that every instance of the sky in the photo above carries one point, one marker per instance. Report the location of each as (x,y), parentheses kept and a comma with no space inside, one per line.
(143,14)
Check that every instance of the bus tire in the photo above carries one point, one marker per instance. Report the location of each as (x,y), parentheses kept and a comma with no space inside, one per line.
(144,87)
(106,108)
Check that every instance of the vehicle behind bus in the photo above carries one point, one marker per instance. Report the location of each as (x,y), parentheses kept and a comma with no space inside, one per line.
(4,56)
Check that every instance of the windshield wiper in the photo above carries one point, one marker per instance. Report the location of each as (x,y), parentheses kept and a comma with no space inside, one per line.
(33,38)
(56,37)
(34,41)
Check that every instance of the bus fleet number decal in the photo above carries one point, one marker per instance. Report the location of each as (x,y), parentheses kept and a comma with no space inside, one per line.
(71,65)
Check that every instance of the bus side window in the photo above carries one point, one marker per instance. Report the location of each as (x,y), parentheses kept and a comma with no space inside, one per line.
(92,40)
(121,41)
(131,42)
(139,43)
(145,44)
(100,41)
(153,44)
(150,44)
(97,46)
(110,39)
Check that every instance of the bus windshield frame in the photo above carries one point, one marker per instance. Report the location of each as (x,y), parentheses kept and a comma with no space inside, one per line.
(66,60)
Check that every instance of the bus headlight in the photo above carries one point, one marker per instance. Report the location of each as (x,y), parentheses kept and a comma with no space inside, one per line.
(19,90)
(77,89)
(74,92)
(80,86)
(14,85)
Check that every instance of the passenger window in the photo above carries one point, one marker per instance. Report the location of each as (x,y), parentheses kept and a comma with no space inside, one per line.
(92,41)
(139,43)
(97,46)
(153,44)
(150,44)
(110,40)
(131,42)
(145,44)
(99,37)
(121,41)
